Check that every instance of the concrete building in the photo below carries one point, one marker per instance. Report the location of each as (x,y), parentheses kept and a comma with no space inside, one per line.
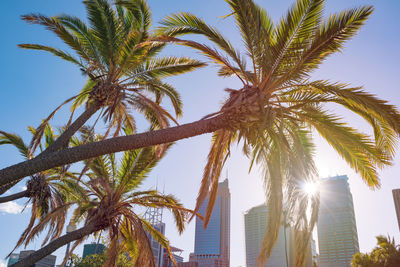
(396,199)
(337,230)
(255,223)
(92,249)
(212,245)
(48,261)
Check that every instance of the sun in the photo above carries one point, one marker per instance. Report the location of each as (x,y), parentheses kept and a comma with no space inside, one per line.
(310,188)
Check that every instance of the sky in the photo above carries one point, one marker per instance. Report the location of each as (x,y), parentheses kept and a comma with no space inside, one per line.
(34,83)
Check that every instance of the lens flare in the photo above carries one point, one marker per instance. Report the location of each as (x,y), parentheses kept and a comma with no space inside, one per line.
(310,188)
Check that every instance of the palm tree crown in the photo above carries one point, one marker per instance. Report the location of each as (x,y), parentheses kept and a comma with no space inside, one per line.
(47,191)
(115,52)
(279,106)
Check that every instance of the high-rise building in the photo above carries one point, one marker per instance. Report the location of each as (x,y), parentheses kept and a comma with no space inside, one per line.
(337,230)
(396,198)
(92,249)
(255,224)
(212,244)
(48,261)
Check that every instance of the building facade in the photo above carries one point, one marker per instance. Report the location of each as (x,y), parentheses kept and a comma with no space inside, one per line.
(212,245)
(396,199)
(255,224)
(92,249)
(337,230)
(48,261)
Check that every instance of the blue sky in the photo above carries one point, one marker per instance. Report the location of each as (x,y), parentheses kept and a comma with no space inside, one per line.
(34,83)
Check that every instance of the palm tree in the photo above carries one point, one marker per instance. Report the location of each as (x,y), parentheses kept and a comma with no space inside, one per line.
(124,73)
(274,111)
(46,191)
(386,254)
(108,204)
(278,106)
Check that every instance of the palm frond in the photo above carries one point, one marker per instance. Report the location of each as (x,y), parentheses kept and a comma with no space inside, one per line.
(15,140)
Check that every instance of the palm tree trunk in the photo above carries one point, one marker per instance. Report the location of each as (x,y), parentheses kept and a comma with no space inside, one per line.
(14,196)
(5,188)
(56,244)
(63,140)
(112,145)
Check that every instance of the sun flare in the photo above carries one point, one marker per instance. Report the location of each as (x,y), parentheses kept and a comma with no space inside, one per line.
(310,188)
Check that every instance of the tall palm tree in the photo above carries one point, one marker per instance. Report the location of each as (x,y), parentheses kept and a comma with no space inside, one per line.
(46,191)
(124,72)
(109,203)
(279,105)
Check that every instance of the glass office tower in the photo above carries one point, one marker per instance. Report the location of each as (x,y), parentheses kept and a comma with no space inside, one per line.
(337,230)
(212,246)
(255,224)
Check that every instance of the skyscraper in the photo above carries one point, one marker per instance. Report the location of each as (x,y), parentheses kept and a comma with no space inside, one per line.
(337,230)
(212,244)
(396,198)
(255,223)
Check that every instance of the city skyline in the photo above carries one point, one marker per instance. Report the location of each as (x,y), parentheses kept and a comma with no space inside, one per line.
(351,66)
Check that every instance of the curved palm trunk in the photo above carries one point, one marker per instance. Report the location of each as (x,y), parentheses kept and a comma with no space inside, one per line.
(112,145)
(5,188)
(56,244)
(63,140)
(14,196)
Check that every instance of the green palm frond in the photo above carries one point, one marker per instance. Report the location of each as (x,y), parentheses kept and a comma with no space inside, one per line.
(256,28)
(357,149)
(15,140)
(165,67)
(53,25)
(104,27)
(59,53)
(329,38)
(83,95)
(293,34)
(164,89)
(186,23)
